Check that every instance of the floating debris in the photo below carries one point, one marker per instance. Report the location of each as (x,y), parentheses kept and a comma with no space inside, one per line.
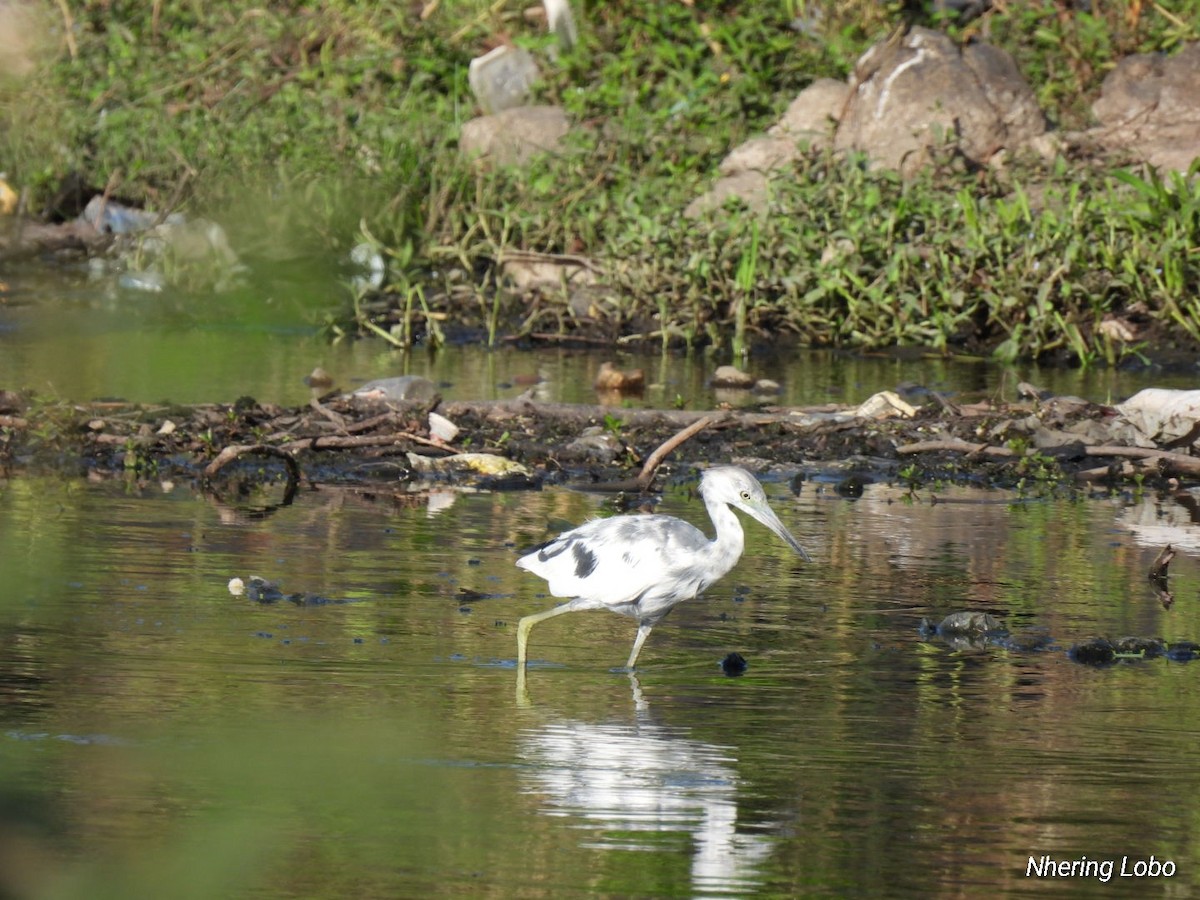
(885,405)
(402,387)
(467,464)
(442,429)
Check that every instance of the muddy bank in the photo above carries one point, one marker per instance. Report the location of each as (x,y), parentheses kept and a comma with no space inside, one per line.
(1042,444)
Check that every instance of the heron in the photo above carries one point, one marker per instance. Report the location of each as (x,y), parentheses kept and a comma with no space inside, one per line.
(643,565)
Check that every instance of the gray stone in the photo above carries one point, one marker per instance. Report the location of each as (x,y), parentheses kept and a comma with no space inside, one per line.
(1149,105)
(749,187)
(815,111)
(923,90)
(514,136)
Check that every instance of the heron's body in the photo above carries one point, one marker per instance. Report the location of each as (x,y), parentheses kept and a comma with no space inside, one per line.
(642,566)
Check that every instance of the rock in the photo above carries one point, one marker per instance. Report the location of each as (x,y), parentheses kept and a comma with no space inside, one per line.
(809,120)
(318,379)
(916,93)
(1183,651)
(969,623)
(732,377)
(610,378)
(1093,652)
(1148,648)
(514,136)
(749,187)
(526,270)
(1149,105)
(814,114)
(733,665)
(761,154)
(594,445)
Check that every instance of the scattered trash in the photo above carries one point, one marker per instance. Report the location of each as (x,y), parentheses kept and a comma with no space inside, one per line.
(107,215)
(467,464)
(561,22)
(442,429)
(371,266)
(160,251)
(318,379)
(885,405)
(402,387)
(1159,416)
(502,78)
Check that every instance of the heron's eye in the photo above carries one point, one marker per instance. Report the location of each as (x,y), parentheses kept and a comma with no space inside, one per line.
(745,495)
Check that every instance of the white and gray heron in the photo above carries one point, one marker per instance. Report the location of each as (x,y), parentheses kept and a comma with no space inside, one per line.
(642,565)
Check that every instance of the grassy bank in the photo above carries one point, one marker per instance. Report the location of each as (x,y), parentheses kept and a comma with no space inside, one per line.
(299,128)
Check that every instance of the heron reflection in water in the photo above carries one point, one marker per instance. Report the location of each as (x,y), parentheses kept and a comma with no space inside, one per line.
(642,566)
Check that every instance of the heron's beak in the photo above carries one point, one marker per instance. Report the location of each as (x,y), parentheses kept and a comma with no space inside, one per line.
(767,516)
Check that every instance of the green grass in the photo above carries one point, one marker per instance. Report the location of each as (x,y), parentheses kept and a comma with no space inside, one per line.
(299,127)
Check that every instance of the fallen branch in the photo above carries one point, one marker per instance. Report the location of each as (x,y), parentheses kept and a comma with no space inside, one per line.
(1172,463)
(654,460)
(584,414)
(955,445)
(236,451)
(351,442)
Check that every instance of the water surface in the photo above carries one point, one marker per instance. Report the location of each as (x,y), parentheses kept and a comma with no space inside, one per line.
(160,737)
(65,335)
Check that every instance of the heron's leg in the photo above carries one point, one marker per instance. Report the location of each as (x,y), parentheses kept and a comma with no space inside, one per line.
(527,623)
(643,633)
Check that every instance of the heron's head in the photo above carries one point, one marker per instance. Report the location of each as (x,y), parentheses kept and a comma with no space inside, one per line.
(741,490)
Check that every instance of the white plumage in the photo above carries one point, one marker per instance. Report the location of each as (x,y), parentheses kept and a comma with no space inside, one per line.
(642,566)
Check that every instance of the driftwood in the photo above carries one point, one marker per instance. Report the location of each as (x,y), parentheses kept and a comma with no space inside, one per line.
(654,460)
(236,451)
(584,414)
(23,240)
(353,442)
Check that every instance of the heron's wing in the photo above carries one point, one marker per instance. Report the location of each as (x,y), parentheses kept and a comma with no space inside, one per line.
(611,562)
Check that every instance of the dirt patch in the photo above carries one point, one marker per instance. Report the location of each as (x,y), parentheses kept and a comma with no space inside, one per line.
(1042,445)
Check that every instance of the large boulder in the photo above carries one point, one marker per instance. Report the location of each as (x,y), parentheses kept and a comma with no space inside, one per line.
(1149,106)
(808,122)
(923,90)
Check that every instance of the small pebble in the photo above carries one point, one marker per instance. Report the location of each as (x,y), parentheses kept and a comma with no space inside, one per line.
(733,665)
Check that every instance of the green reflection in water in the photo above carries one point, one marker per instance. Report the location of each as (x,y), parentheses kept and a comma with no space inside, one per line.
(159,737)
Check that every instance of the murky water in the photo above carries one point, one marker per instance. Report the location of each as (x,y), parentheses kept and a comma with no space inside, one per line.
(81,340)
(159,737)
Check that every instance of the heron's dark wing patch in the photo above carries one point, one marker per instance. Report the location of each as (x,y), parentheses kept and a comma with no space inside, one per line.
(550,549)
(585,560)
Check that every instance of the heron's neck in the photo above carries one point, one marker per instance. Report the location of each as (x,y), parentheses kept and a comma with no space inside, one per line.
(727,546)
